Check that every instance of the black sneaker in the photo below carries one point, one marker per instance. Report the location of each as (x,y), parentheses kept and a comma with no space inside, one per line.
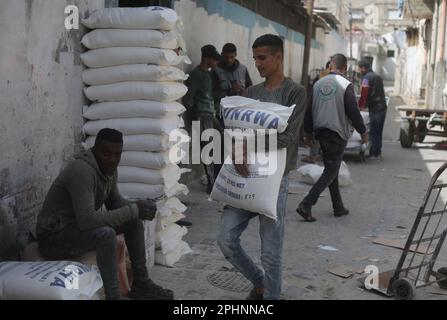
(148,290)
(255,295)
(341,212)
(306,213)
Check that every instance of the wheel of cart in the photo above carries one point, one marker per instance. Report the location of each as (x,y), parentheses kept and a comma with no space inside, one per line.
(416,124)
(417,263)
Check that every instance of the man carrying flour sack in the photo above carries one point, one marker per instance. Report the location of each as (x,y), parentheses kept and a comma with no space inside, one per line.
(268,52)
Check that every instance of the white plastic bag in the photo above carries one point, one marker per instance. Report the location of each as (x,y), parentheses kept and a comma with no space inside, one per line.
(135,126)
(167,240)
(132,109)
(108,38)
(168,176)
(108,57)
(170,206)
(133,18)
(48,280)
(171,258)
(310,173)
(137,90)
(132,72)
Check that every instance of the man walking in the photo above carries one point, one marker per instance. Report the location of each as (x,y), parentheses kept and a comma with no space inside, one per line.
(268,53)
(332,111)
(71,221)
(199,99)
(373,98)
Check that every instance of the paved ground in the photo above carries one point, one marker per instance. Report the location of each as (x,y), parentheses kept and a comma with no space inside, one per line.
(383,202)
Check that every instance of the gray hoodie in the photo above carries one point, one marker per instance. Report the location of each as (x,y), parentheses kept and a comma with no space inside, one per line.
(77,195)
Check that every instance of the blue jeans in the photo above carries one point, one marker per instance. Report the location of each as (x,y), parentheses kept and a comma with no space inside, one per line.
(376,122)
(234,222)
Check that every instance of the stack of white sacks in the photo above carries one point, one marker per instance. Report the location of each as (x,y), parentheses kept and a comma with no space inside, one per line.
(134,83)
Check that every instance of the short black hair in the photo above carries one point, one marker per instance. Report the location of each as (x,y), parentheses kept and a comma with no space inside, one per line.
(364,63)
(210,51)
(110,135)
(229,48)
(328,64)
(339,61)
(274,42)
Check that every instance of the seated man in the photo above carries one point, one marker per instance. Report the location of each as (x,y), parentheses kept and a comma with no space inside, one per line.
(71,221)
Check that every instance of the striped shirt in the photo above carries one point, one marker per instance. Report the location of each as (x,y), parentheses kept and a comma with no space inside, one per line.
(288,94)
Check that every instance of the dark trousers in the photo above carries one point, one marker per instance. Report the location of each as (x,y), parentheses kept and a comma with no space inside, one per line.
(332,152)
(72,242)
(376,122)
(207,121)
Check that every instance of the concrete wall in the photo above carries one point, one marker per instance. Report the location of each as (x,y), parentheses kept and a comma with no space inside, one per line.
(335,43)
(219,22)
(41,103)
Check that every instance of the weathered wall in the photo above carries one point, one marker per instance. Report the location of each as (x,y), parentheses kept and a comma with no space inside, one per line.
(41,103)
(219,22)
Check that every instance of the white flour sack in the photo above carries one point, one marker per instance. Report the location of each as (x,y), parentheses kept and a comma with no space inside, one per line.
(149,160)
(48,280)
(135,126)
(132,109)
(266,169)
(108,57)
(108,38)
(143,142)
(241,112)
(137,90)
(167,207)
(132,18)
(132,72)
(147,191)
(167,176)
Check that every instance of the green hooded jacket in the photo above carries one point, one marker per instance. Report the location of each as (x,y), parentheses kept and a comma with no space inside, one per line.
(77,196)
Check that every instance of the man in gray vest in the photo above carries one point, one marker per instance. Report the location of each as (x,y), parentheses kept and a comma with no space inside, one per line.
(333,113)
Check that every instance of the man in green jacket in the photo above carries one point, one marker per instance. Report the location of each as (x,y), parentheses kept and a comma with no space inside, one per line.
(73,221)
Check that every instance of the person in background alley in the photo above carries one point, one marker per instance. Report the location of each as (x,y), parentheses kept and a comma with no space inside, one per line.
(373,98)
(230,78)
(268,53)
(72,221)
(333,109)
(199,99)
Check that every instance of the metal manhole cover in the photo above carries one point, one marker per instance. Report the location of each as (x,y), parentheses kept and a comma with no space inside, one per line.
(230,281)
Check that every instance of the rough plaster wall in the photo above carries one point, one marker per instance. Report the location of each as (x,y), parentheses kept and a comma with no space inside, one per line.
(221,21)
(41,103)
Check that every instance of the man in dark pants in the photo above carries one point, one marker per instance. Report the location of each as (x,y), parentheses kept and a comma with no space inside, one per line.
(329,117)
(72,221)
(373,98)
(199,99)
